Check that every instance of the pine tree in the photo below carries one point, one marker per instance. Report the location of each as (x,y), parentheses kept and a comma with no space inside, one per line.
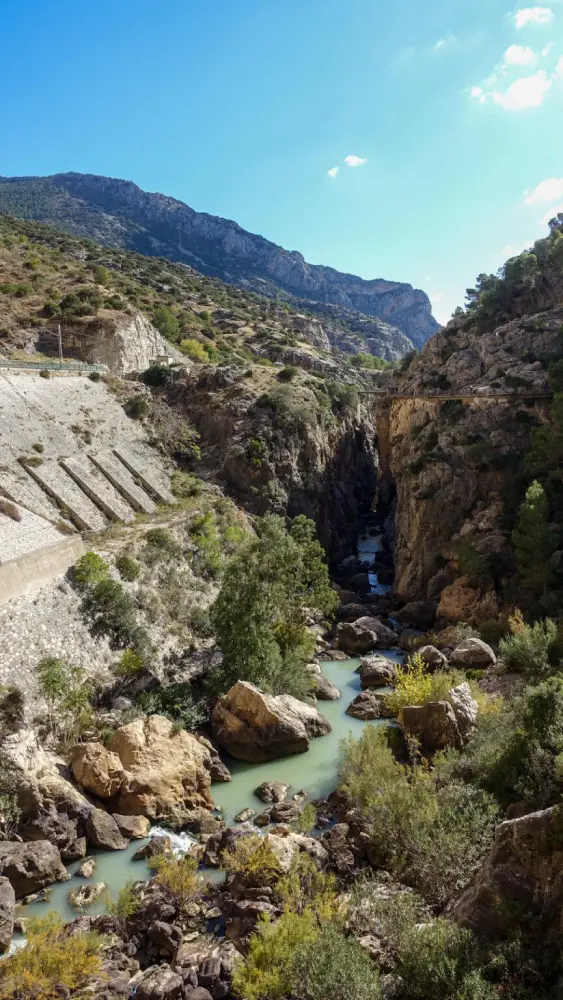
(533,541)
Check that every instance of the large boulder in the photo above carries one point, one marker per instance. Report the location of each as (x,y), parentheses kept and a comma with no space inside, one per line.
(271,791)
(369,705)
(103,832)
(364,635)
(30,867)
(434,725)
(376,671)
(257,727)
(52,808)
(461,601)
(432,658)
(133,827)
(97,769)
(465,707)
(166,772)
(7,909)
(524,872)
(473,653)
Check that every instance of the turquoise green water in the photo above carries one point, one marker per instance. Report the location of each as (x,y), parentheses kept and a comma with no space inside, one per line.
(314,771)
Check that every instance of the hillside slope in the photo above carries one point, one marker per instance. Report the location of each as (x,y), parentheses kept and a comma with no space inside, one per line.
(118,213)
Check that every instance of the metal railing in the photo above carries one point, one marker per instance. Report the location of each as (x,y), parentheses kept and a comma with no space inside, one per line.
(53,366)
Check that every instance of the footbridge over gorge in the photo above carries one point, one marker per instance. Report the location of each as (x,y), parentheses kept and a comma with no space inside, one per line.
(466,395)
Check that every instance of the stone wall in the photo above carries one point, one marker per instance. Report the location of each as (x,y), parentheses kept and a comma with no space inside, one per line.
(32,570)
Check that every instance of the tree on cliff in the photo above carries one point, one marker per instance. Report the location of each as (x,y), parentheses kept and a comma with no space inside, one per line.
(533,541)
(270,587)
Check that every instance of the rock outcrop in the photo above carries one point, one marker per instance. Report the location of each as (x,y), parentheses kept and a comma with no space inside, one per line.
(7,910)
(523,878)
(32,866)
(376,671)
(257,727)
(166,773)
(369,705)
(473,653)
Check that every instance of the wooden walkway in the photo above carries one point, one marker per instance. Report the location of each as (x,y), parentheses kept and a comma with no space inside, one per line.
(515,394)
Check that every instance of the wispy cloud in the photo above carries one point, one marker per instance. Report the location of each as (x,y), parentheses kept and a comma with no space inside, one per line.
(550,189)
(559,68)
(445,42)
(354,161)
(333,172)
(526,92)
(533,15)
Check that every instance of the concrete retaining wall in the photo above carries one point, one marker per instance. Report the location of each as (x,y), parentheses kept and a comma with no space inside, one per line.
(32,570)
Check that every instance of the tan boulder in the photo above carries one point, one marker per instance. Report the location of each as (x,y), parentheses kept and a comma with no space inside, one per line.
(97,769)
(257,727)
(166,771)
(433,724)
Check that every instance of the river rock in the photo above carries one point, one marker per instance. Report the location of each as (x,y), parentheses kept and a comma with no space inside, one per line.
(87,868)
(7,911)
(30,867)
(156,845)
(245,815)
(133,827)
(376,671)
(85,895)
(473,653)
(432,658)
(284,812)
(271,791)
(164,935)
(258,727)
(434,724)
(323,689)
(97,769)
(166,772)
(159,982)
(369,705)
(218,770)
(465,707)
(102,831)
(363,635)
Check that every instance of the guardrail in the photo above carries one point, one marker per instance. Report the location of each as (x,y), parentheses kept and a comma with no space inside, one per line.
(501,394)
(53,366)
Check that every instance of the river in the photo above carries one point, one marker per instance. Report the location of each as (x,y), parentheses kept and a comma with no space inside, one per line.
(314,771)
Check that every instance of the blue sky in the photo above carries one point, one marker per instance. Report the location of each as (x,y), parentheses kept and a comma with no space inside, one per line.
(242,108)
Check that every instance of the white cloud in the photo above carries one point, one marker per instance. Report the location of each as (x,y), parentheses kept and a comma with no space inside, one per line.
(427,277)
(333,172)
(533,15)
(519,55)
(444,43)
(559,68)
(526,92)
(553,211)
(354,161)
(549,190)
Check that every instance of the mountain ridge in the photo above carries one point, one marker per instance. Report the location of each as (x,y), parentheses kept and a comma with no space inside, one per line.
(119,213)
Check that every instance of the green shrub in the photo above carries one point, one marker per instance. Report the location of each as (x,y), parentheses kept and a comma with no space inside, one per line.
(208,555)
(113,613)
(409,811)
(526,650)
(101,274)
(177,703)
(160,545)
(516,754)
(179,878)
(67,694)
(157,375)
(90,570)
(333,966)
(38,447)
(196,350)
(137,407)
(44,373)
(52,964)
(127,568)
(130,664)
(166,323)
(185,485)
(288,373)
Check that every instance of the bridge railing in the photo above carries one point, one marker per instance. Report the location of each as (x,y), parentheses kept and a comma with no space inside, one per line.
(53,366)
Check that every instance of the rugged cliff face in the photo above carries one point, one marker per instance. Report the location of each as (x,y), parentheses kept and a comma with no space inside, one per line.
(118,213)
(290,449)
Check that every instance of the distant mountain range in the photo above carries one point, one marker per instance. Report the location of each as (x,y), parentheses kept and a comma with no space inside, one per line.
(119,214)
